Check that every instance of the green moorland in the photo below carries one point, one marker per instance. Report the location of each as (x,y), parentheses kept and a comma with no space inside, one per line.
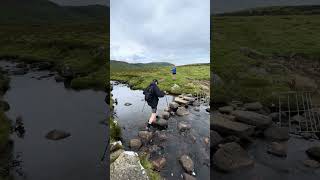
(246,49)
(189,78)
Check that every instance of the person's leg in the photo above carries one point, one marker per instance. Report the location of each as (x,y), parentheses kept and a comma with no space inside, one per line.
(153,116)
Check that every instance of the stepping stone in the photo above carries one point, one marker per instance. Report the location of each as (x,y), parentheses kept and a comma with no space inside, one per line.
(187,163)
(145,135)
(182,111)
(252,118)
(135,143)
(159,163)
(183,126)
(181,101)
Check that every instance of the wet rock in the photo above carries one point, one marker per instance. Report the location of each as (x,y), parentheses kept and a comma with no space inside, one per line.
(208,109)
(196,103)
(275,116)
(181,101)
(252,118)
(274,133)
(188,177)
(189,99)
(59,78)
(206,140)
(161,136)
(231,156)
(196,109)
(57,135)
(172,113)
(165,115)
(166,109)
(183,126)
(128,166)
(114,155)
(187,163)
(235,104)
(116,146)
(311,163)
(145,135)
(278,149)
(255,106)
(226,109)
(182,111)
(67,72)
(173,106)
(225,126)
(314,152)
(215,139)
(161,123)
(159,163)
(306,136)
(44,65)
(298,118)
(135,143)
(127,104)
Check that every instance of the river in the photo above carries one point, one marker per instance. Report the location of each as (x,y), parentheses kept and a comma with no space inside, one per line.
(133,118)
(45,105)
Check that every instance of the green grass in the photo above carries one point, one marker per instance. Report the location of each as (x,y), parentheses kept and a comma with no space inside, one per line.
(153,175)
(81,45)
(267,35)
(189,78)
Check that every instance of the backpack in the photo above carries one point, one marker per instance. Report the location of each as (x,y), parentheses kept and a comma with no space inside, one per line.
(148,93)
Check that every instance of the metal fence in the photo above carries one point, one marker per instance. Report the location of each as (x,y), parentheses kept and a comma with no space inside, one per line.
(297,111)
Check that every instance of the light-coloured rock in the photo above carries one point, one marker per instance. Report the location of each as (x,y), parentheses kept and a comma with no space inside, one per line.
(165,115)
(174,106)
(181,111)
(183,126)
(145,135)
(135,143)
(114,155)
(127,166)
(115,146)
(181,101)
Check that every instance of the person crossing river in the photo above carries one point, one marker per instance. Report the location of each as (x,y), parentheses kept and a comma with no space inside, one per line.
(152,94)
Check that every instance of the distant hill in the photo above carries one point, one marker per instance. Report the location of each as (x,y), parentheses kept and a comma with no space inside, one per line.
(44,11)
(124,65)
(223,6)
(277,10)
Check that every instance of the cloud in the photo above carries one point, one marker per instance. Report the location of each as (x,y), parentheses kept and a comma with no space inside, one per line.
(150,30)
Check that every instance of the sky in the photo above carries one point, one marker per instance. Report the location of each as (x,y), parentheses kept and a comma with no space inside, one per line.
(81,2)
(220,6)
(175,31)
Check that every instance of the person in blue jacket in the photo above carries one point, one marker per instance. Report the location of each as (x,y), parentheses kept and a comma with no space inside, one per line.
(174,72)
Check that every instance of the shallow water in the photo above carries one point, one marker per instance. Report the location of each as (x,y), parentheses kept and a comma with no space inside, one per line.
(134,118)
(46,105)
(268,166)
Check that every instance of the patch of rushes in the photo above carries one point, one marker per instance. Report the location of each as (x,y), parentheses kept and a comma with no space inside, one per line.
(189,78)
(153,175)
(270,36)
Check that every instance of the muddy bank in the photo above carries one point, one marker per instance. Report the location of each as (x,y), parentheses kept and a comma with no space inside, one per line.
(168,145)
(45,105)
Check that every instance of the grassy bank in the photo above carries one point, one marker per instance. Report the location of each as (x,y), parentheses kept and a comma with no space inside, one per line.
(79,45)
(245,50)
(189,78)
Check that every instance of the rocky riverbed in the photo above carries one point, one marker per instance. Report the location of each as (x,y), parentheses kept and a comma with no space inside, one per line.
(248,143)
(177,147)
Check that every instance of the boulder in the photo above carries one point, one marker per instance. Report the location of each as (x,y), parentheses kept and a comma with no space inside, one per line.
(165,115)
(208,109)
(181,111)
(128,166)
(173,106)
(161,123)
(183,126)
(231,156)
(255,106)
(226,109)
(215,139)
(252,118)
(145,135)
(187,163)
(57,135)
(278,149)
(189,99)
(180,101)
(135,143)
(114,155)
(188,177)
(115,146)
(274,133)
(314,152)
(159,163)
(225,126)
(311,163)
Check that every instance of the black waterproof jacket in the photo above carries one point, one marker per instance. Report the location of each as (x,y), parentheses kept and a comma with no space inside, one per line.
(156,93)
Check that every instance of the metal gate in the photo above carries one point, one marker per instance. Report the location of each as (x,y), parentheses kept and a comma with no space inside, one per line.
(297,111)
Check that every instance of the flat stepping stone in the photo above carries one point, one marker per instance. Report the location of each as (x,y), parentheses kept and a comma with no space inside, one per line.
(181,101)
(253,118)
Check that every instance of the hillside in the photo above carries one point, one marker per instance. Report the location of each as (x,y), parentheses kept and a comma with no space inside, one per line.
(116,65)
(277,10)
(44,11)
(256,57)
